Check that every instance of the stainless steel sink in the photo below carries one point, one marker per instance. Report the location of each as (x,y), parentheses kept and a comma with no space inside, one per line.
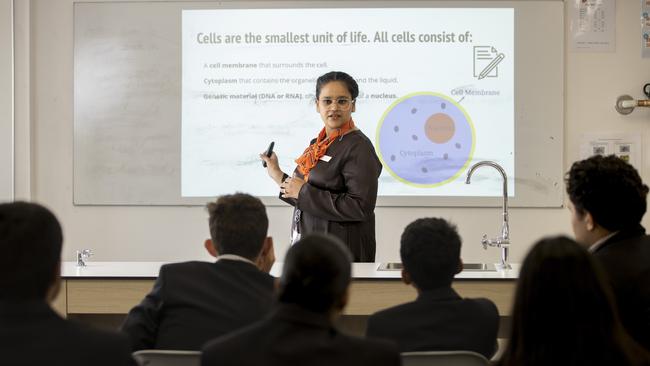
(390,266)
(467,267)
(479,267)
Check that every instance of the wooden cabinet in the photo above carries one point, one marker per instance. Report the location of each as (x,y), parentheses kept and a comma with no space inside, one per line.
(118,296)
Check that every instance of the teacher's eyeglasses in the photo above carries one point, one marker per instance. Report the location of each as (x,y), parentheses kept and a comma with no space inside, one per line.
(343,103)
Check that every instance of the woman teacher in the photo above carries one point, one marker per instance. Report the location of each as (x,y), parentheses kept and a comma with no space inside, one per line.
(334,186)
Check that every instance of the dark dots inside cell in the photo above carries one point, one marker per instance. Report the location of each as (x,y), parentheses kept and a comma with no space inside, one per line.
(392,158)
(458,145)
(424,170)
(446,156)
(414,111)
(396,128)
(414,137)
(443,105)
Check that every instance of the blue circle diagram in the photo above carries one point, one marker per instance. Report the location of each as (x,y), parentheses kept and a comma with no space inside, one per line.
(425,139)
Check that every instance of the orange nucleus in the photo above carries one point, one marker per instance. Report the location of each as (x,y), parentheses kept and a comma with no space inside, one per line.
(439,128)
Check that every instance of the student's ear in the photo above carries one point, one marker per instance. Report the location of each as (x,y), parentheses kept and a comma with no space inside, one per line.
(460,266)
(406,277)
(267,256)
(267,247)
(211,248)
(590,224)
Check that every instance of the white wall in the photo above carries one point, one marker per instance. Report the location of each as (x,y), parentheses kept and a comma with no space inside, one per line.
(44,134)
(6,102)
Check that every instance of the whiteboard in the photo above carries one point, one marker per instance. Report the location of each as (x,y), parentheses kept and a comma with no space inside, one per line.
(127,112)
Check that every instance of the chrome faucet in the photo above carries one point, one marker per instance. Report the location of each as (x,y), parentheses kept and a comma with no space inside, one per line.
(82,257)
(502,241)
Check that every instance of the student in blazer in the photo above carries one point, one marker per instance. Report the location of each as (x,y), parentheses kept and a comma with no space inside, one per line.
(439,319)
(31,333)
(193,302)
(312,293)
(607,200)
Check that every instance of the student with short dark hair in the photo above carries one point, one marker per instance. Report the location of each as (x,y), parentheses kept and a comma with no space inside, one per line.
(563,313)
(607,200)
(193,302)
(439,319)
(313,291)
(31,333)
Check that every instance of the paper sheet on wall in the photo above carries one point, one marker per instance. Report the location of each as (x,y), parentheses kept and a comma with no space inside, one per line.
(593,25)
(645,28)
(626,146)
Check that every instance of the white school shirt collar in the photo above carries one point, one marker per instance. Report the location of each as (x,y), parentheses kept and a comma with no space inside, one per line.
(594,247)
(234,257)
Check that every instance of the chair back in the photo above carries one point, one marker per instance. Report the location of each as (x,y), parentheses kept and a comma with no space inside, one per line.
(444,358)
(154,357)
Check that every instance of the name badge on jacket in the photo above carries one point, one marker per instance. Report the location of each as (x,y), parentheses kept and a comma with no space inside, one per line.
(326,158)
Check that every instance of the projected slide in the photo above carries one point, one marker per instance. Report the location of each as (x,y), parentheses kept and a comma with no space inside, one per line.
(436,93)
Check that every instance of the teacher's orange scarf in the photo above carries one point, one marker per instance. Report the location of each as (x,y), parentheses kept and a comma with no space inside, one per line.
(307,161)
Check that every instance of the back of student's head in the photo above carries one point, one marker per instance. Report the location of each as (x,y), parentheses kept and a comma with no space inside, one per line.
(30,251)
(316,274)
(563,311)
(430,251)
(238,225)
(608,188)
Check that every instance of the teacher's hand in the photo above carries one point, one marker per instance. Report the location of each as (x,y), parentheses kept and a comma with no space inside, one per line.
(290,188)
(273,167)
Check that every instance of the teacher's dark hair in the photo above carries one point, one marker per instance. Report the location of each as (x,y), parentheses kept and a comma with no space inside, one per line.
(349,82)
(316,274)
(430,252)
(30,251)
(564,312)
(238,225)
(608,188)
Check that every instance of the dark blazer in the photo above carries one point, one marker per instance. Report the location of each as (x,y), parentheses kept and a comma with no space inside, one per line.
(339,197)
(294,336)
(439,320)
(193,302)
(626,260)
(31,333)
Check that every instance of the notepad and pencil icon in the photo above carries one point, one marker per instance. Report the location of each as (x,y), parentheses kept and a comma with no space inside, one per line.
(486,62)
